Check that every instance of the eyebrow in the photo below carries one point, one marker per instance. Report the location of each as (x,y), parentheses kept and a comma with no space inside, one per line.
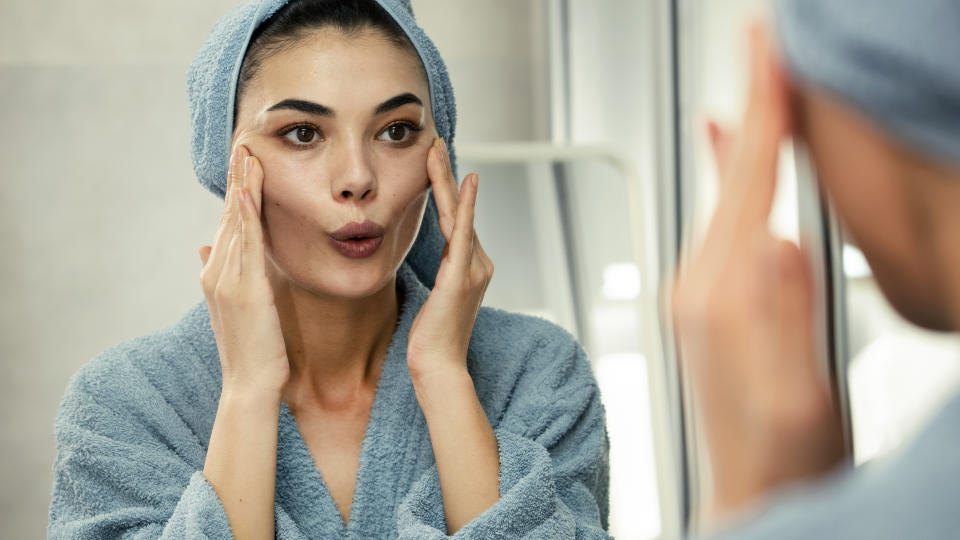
(397,101)
(317,109)
(301,105)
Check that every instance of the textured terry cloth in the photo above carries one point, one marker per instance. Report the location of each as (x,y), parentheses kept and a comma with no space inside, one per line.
(211,88)
(897,61)
(135,422)
(912,494)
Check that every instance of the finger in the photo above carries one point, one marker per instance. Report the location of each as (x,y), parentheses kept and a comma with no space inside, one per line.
(796,295)
(443,193)
(461,245)
(229,226)
(208,282)
(746,193)
(753,171)
(721,145)
(252,234)
(204,252)
(448,169)
(235,163)
(233,261)
(253,181)
(235,176)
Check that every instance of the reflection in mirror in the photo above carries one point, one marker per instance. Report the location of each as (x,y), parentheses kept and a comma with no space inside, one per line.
(877,355)
(890,398)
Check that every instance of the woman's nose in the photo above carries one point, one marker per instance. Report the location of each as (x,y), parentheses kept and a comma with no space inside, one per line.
(356,180)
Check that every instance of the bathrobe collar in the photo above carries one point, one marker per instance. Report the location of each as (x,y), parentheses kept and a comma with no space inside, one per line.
(302,492)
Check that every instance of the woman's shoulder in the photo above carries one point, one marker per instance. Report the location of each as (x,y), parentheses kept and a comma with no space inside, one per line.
(139,412)
(163,365)
(531,376)
(517,333)
(513,349)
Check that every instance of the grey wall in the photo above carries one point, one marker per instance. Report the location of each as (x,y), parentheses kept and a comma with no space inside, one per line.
(100,214)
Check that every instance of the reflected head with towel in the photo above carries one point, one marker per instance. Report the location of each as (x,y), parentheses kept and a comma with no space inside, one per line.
(872,88)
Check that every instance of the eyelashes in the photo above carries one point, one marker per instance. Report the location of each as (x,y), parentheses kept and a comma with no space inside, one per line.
(303,135)
(400,133)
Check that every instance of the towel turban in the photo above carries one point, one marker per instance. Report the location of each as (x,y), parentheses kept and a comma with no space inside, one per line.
(897,61)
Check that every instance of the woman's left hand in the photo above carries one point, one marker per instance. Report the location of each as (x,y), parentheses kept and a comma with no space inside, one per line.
(463,441)
(440,334)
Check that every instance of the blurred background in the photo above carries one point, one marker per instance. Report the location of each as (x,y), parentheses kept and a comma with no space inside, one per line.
(583,117)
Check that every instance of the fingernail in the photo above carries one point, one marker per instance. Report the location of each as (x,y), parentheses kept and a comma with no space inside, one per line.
(476,180)
(247,165)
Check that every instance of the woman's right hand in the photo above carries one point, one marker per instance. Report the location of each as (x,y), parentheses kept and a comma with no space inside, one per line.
(743,312)
(243,314)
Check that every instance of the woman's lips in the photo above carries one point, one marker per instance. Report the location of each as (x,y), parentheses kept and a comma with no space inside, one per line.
(357,240)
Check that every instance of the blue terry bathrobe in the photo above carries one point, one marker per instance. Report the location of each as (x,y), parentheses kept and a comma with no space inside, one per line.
(134,424)
(133,429)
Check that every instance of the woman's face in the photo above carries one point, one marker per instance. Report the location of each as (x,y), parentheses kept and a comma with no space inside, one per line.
(341,125)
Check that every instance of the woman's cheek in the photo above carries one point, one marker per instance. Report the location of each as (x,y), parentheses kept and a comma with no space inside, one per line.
(284,206)
(408,176)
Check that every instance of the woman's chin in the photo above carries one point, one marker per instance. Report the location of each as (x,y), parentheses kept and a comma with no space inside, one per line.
(336,276)
(353,281)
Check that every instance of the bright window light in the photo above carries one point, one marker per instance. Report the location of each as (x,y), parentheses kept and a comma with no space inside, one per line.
(854,263)
(621,281)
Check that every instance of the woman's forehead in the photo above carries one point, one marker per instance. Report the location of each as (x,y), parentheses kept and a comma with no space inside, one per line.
(354,69)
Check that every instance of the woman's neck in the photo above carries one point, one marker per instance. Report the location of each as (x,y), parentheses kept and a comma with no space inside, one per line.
(335,346)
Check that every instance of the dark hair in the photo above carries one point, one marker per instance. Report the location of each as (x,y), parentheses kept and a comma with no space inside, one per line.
(292,22)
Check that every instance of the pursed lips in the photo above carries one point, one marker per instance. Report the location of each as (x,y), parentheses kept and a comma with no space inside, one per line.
(358,240)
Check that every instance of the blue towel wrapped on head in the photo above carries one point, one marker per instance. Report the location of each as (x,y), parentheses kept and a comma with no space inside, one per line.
(134,424)
(896,61)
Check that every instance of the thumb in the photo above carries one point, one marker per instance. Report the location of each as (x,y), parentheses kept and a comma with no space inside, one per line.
(721,143)
(204,252)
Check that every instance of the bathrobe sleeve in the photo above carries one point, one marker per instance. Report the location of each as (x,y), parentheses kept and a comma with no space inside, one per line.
(553,450)
(126,467)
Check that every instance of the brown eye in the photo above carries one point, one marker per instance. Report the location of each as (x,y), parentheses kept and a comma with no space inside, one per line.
(395,133)
(302,135)
(305,134)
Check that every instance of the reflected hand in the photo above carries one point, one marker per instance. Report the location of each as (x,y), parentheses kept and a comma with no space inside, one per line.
(239,297)
(440,333)
(743,311)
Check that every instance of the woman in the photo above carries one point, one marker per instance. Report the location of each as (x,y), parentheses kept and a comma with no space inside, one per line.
(323,389)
